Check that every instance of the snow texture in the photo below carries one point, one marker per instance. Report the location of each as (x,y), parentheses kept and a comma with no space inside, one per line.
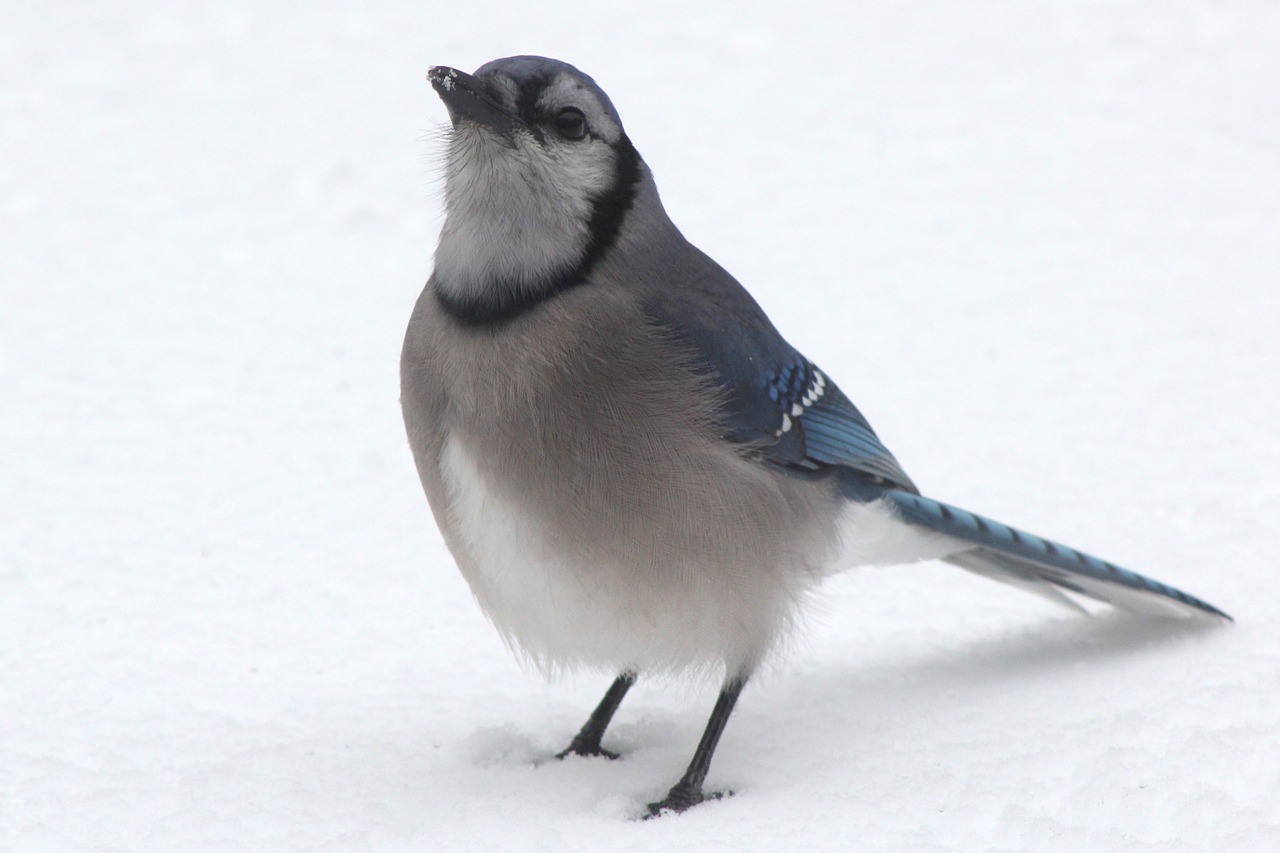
(1035,243)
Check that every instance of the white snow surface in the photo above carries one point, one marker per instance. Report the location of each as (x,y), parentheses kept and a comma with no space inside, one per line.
(1038,244)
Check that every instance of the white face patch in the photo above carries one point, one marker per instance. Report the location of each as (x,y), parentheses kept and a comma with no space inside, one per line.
(566,91)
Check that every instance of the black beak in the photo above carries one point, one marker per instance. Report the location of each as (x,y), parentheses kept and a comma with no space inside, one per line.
(465,98)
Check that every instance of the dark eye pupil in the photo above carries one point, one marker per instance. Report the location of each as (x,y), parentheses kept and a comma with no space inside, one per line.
(571,124)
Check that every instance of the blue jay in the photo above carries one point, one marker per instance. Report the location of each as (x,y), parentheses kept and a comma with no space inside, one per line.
(631,467)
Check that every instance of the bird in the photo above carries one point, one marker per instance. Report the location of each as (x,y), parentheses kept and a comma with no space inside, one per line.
(633,470)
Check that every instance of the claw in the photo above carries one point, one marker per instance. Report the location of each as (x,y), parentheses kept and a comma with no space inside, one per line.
(680,799)
(588,752)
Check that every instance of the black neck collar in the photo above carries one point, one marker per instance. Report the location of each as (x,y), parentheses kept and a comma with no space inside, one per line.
(501,304)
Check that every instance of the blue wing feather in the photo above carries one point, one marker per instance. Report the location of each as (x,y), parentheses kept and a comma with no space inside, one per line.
(775,399)
(780,405)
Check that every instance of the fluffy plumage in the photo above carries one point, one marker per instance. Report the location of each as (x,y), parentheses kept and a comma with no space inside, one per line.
(632,468)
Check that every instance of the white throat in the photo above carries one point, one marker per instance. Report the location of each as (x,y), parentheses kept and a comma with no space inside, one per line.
(516,217)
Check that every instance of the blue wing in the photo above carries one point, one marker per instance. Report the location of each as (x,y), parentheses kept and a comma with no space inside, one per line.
(814,425)
(776,400)
(779,404)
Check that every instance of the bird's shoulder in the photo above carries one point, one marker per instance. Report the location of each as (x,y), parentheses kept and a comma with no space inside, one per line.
(776,400)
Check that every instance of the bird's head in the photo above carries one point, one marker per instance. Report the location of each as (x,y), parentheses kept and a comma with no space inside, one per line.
(538,181)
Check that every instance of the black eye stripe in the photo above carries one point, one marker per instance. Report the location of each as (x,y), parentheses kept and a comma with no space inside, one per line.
(527,99)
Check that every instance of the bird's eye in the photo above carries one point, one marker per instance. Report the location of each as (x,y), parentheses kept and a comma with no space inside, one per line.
(571,123)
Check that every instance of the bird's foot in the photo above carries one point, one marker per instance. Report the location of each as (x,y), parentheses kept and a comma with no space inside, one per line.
(588,750)
(681,798)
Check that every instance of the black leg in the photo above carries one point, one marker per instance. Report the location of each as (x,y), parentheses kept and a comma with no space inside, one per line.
(688,791)
(587,741)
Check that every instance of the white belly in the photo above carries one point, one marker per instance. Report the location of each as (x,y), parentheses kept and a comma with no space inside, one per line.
(563,610)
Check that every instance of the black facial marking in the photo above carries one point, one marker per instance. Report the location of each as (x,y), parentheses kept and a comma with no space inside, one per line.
(610,208)
(527,99)
(608,211)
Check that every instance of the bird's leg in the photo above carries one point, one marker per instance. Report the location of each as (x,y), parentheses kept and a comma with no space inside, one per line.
(587,741)
(688,791)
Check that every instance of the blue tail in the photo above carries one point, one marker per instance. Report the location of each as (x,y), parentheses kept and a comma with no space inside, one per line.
(1011,555)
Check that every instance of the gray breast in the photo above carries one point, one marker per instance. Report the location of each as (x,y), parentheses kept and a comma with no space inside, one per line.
(574,464)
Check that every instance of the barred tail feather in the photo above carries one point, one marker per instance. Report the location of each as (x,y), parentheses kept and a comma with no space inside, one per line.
(1042,566)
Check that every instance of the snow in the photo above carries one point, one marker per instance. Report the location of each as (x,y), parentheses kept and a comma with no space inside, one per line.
(1037,244)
